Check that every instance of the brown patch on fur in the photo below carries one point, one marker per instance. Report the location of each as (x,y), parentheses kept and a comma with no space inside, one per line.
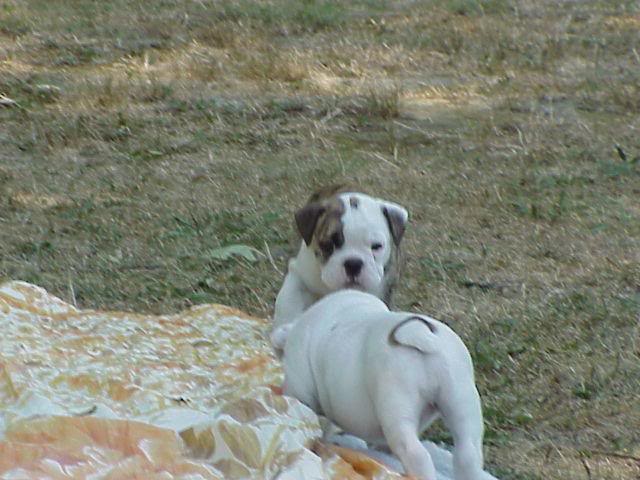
(353,202)
(328,232)
(320,219)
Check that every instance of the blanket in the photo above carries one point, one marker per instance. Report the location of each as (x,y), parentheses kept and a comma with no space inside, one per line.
(120,395)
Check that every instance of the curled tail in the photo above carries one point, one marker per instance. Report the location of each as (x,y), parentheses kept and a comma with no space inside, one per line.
(415,332)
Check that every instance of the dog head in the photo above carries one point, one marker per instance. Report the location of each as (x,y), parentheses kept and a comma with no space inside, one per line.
(354,237)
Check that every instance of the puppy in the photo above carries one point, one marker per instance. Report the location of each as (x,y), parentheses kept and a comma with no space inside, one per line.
(385,377)
(349,240)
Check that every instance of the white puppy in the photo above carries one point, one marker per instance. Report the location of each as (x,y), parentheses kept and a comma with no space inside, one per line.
(349,240)
(385,376)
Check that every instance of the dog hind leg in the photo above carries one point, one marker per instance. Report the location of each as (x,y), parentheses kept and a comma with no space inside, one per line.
(399,419)
(464,421)
(404,443)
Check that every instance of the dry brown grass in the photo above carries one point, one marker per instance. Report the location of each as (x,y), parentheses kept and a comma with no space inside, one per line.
(145,137)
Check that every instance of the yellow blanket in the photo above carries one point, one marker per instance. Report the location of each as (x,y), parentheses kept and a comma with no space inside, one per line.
(116,395)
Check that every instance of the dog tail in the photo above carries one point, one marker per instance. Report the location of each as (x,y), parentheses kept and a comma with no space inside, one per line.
(415,332)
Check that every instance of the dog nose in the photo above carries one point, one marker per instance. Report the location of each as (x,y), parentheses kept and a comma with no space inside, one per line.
(353,266)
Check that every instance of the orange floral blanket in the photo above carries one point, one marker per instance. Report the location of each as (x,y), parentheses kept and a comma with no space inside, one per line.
(116,395)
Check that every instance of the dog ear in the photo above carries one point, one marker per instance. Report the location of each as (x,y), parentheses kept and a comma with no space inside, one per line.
(397,218)
(306,220)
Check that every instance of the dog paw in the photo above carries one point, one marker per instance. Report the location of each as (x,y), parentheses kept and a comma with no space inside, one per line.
(279,336)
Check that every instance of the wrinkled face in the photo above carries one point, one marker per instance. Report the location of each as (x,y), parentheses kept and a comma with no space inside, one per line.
(354,238)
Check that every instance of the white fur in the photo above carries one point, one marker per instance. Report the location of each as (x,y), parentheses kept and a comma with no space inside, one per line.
(383,377)
(307,280)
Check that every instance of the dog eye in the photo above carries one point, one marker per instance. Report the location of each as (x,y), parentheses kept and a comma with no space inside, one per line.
(326,247)
(376,246)
(337,239)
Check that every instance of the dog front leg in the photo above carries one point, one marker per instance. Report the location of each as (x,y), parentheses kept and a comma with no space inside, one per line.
(293,299)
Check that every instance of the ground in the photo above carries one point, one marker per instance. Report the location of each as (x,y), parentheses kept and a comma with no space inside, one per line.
(138,139)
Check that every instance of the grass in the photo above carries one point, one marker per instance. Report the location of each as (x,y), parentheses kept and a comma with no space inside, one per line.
(146,138)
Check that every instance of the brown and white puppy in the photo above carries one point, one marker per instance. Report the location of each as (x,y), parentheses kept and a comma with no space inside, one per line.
(349,240)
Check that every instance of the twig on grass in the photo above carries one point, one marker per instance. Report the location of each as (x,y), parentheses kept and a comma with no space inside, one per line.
(8,102)
(586,467)
(270,258)
(622,456)
(379,157)
(430,136)
(72,293)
